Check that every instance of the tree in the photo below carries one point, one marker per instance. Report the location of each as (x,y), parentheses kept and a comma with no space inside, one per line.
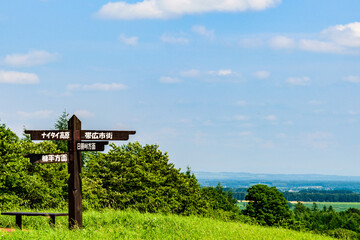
(142,178)
(267,205)
(62,124)
(25,184)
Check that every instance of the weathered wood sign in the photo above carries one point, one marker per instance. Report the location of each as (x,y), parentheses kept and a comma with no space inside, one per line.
(91,146)
(95,141)
(48,158)
(105,135)
(49,134)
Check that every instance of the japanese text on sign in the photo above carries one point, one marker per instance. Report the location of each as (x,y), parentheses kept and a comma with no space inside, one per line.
(86,146)
(56,135)
(54,158)
(98,135)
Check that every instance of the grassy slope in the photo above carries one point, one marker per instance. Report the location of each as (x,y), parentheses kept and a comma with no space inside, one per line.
(133,225)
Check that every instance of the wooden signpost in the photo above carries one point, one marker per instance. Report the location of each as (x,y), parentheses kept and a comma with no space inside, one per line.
(78,140)
(48,158)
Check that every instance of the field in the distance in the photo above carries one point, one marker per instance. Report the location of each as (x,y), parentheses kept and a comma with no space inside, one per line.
(337,206)
(110,224)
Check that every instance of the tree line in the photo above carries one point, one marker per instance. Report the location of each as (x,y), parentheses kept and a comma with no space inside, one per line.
(128,176)
(133,176)
(307,195)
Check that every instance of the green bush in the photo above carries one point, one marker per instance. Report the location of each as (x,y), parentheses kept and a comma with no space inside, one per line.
(268,206)
(141,177)
(25,184)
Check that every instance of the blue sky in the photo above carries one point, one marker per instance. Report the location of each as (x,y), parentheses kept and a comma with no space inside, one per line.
(261,86)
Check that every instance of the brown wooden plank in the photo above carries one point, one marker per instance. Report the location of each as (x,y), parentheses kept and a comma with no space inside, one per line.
(49,134)
(105,135)
(91,146)
(34,214)
(48,158)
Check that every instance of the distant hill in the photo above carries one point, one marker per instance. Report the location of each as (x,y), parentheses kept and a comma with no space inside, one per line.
(270,177)
(284,182)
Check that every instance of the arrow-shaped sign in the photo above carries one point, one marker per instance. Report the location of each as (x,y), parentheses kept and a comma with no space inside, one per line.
(49,134)
(105,135)
(48,158)
(91,146)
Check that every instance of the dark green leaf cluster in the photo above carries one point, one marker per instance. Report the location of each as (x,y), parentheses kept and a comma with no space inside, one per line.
(323,196)
(141,177)
(345,224)
(268,206)
(25,184)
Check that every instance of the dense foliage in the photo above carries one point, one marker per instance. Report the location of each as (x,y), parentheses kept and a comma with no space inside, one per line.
(307,195)
(345,224)
(323,196)
(268,206)
(128,176)
(25,184)
(141,177)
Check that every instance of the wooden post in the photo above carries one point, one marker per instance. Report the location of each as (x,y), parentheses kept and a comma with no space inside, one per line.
(18,221)
(74,168)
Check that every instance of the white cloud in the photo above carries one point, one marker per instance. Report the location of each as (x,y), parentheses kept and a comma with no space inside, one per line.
(241,103)
(300,81)
(37,114)
(84,114)
(32,58)
(201,30)
(282,42)
(245,133)
(132,41)
(97,87)
(271,117)
(351,112)
(175,40)
(169,80)
(315,102)
(281,135)
(18,77)
(320,140)
(320,46)
(222,72)
(241,117)
(288,123)
(261,74)
(352,79)
(345,35)
(338,39)
(190,73)
(164,9)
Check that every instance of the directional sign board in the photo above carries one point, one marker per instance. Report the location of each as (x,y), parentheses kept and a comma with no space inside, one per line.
(48,158)
(49,134)
(91,146)
(78,140)
(105,135)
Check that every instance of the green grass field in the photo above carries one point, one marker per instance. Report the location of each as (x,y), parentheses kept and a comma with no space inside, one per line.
(338,206)
(111,224)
